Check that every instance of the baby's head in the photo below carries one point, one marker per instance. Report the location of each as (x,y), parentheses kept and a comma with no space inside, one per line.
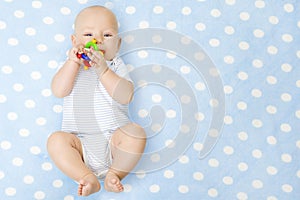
(100,23)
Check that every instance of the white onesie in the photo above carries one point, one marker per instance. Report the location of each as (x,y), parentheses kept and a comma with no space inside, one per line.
(91,114)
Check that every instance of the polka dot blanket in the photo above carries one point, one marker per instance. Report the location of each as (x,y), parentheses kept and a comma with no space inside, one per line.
(217,89)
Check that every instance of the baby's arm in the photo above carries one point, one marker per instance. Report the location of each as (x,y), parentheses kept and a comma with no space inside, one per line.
(119,88)
(63,80)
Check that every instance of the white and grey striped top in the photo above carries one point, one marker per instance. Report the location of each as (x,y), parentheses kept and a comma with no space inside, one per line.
(89,108)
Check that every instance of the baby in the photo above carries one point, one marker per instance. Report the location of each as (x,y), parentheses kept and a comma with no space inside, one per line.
(97,140)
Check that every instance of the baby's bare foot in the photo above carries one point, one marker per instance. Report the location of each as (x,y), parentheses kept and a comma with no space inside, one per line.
(89,184)
(112,183)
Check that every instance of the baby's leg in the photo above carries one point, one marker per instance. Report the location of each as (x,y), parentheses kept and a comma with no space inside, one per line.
(127,145)
(66,152)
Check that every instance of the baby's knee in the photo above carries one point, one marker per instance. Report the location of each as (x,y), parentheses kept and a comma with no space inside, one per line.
(55,140)
(138,131)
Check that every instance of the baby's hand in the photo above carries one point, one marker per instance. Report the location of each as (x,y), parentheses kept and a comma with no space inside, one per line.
(98,62)
(73,54)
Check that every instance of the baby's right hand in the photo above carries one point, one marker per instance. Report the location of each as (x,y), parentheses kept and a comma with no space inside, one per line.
(73,54)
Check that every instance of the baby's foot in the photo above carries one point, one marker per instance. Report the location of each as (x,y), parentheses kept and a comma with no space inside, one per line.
(112,183)
(89,184)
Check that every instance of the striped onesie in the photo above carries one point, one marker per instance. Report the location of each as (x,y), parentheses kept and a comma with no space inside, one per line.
(91,113)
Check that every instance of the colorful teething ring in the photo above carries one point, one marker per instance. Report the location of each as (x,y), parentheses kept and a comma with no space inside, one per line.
(92,43)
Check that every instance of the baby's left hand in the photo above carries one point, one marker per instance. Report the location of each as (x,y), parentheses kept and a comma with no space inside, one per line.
(98,62)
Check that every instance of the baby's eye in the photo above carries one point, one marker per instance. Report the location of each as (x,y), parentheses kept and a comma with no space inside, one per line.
(88,34)
(107,35)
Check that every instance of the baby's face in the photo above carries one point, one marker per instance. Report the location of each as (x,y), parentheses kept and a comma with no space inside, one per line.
(100,24)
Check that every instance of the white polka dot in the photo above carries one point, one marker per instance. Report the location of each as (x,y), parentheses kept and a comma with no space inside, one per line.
(243,166)
(271,140)
(228,120)
(229,30)
(297,114)
(170,143)
(213,162)
(242,105)
(156,39)
(228,180)
(2,25)
(259,4)
(288,7)
(24,132)
(65,11)
(36,4)
(230,2)
(257,63)
(154,188)
(168,174)
(285,128)
(200,26)
(39,195)
(287,158)
(256,153)
(52,64)
(257,184)
(41,121)
(144,24)
(243,136)
(286,97)
(155,157)
(130,10)
(12,116)
(258,33)
(185,40)
(228,89)
(286,67)
(244,45)
(185,99)
(212,192)
(46,92)
(228,150)
(156,98)
(272,50)
(143,113)
(257,123)
(6,69)
(198,176)
(171,54)
(10,191)
(17,162)
(256,93)
(186,10)
(13,41)
(183,189)
(200,56)
(170,83)
(272,80)
(18,87)
(272,170)
(185,69)
(287,38)
(213,103)
(127,188)
(48,20)
(57,183)
(5,145)
(273,20)
(156,127)
(57,108)
(213,133)
(241,196)
(42,47)
(271,109)
(142,54)
(184,159)
(30,31)
(171,113)
(28,179)
(24,59)
(3,98)
(214,42)
(82,1)
(59,38)
(36,75)
(35,150)
(243,76)
(47,166)
(171,25)
(298,144)
(198,146)
(19,14)
(128,39)
(287,188)
(229,59)
(141,174)
(158,9)
(244,16)
(215,13)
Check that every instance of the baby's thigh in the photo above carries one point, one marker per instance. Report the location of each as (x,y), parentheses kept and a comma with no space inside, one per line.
(60,140)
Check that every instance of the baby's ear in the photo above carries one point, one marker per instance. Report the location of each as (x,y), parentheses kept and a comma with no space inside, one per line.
(73,39)
(119,43)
